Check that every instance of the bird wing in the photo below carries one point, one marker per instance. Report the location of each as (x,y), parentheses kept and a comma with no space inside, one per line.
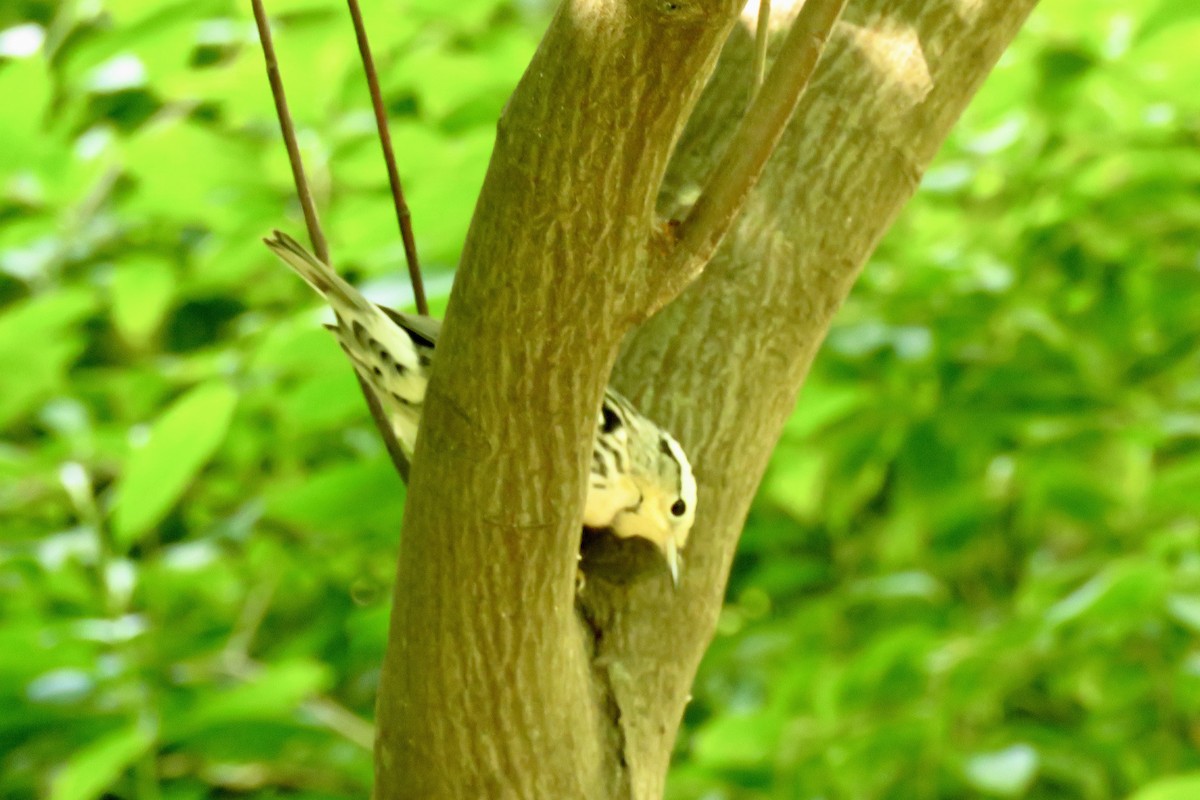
(426,329)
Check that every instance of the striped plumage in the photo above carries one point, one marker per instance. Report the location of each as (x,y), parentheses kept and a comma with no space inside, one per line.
(641,482)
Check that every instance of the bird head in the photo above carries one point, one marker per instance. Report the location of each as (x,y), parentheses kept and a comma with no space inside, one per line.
(666,508)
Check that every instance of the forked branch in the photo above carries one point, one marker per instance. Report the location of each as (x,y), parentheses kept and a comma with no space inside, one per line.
(697,237)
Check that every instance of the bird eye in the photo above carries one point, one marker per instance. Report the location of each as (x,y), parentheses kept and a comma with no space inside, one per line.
(678,508)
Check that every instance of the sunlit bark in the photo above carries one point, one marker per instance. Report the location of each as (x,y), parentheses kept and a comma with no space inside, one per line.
(495,684)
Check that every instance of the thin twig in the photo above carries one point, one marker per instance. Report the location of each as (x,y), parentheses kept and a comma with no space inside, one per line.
(288,129)
(320,248)
(341,720)
(403,217)
(237,650)
(399,460)
(697,237)
(761,34)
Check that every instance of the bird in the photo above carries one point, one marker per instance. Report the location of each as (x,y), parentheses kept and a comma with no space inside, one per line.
(640,484)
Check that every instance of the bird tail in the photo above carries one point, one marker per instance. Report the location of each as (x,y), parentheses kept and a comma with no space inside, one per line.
(315,272)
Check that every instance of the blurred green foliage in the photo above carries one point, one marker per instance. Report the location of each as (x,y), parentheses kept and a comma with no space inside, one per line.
(974,566)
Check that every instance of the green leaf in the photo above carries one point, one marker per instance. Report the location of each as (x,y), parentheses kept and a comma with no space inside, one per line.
(141,292)
(220,192)
(24,84)
(739,740)
(27,373)
(795,484)
(1169,14)
(44,316)
(93,768)
(161,38)
(821,405)
(1119,592)
(346,497)
(275,693)
(324,401)
(181,441)
(1176,787)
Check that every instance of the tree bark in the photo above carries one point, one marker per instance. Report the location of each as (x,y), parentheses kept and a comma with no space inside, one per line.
(499,682)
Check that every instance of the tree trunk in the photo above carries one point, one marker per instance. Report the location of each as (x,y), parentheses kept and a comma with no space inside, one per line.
(498,681)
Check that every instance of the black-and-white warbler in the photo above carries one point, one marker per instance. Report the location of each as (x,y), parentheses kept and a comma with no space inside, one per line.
(641,482)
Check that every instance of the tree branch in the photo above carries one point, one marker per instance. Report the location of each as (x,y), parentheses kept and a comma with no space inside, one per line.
(722,365)
(762,34)
(288,129)
(403,217)
(488,670)
(394,450)
(745,156)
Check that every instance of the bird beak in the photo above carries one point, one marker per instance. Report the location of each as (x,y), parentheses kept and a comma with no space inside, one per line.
(672,554)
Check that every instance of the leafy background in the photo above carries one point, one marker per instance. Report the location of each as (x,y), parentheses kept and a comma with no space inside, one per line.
(973,567)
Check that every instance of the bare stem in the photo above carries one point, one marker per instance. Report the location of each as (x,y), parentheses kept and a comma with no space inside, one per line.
(288,129)
(399,460)
(752,143)
(342,721)
(315,235)
(761,34)
(403,217)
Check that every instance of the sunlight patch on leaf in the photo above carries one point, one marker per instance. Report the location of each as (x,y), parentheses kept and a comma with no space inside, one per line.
(1007,772)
